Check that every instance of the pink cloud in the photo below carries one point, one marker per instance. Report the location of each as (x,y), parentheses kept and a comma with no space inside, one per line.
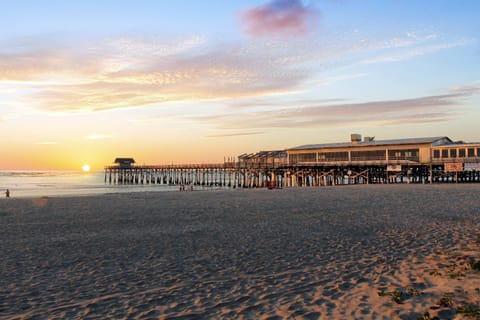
(280,18)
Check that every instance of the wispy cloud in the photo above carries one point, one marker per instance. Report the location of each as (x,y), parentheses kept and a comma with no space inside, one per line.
(132,72)
(466,90)
(237,134)
(280,18)
(417,51)
(199,73)
(343,77)
(278,104)
(427,109)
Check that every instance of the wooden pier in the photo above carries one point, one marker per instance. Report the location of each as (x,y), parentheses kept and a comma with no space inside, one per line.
(233,176)
(420,160)
(190,174)
(227,174)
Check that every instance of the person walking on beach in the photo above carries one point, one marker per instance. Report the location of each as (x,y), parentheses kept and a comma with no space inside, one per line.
(7,193)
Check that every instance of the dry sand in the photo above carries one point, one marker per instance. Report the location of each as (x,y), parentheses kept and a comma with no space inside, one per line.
(313,253)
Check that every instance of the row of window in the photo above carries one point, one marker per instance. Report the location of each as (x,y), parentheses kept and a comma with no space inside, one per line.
(333,156)
(455,153)
(374,155)
(370,155)
(303,157)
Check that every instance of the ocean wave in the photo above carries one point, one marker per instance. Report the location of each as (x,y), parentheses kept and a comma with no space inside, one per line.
(34,174)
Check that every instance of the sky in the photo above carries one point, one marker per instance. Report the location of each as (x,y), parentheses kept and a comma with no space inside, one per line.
(84,82)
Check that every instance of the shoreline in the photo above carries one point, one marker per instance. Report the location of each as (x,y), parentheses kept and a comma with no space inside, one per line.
(175,188)
(300,252)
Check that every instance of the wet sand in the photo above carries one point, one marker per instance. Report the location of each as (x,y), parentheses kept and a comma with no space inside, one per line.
(313,253)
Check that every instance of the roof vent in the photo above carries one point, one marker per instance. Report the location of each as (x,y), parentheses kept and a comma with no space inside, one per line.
(355,138)
(368,139)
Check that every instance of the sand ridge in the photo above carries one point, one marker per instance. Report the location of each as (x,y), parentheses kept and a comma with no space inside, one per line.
(313,253)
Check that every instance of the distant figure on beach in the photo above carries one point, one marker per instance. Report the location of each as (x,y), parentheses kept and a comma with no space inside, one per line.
(7,193)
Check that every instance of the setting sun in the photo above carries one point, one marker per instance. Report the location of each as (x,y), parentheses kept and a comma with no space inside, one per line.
(86,168)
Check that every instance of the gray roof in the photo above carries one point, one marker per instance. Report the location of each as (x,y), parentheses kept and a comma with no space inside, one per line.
(459,143)
(124,160)
(432,140)
(263,154)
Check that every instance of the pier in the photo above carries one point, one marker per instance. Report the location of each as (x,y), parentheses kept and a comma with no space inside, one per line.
(190,174)
(234,174)
(418,160)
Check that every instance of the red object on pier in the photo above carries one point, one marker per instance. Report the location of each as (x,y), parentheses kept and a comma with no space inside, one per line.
(271,185)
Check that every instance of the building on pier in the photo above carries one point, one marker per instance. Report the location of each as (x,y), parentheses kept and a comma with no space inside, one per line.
(368,152)
(383,161)
(124,162)
(263,159)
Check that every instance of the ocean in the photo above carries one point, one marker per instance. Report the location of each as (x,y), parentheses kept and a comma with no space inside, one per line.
(26,184)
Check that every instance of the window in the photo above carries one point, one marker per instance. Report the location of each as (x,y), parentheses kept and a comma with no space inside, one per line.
(369,155)
(303,157)
(333,156)
(478,152)
(436,154)
(453,153)
(406,154)
(461,153)
(445,153)
(471,152)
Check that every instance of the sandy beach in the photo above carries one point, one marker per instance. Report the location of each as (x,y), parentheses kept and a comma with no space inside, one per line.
(350,252)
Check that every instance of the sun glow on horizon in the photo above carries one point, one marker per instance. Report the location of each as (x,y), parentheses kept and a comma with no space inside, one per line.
(86,168)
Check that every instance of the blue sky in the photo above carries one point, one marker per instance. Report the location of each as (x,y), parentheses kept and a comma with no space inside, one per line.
(200,80)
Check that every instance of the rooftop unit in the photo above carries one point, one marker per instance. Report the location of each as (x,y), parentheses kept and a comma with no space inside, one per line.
(355,138)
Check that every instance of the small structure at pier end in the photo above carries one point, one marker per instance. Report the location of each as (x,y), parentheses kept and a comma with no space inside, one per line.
(124,162)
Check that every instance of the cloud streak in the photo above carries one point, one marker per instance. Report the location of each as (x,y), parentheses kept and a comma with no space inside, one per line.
(420,110)
(120,79)
(135,72)
(280,18)
(415,52)
(236,134)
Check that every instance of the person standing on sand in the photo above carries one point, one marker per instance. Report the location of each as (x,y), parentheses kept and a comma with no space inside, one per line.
(7,193)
